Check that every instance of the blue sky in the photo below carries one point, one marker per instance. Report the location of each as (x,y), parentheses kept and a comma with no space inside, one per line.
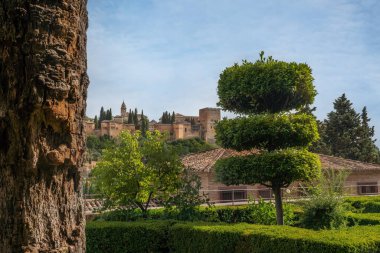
(162,55)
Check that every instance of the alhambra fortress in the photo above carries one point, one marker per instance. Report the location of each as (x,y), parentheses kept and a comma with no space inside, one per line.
(183,127)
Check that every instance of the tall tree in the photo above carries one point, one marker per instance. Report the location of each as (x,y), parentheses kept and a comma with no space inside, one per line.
(135,118)
(130,117)
(265,91)
(42,103)
(369,152)
(343,129)
(172,120)
(101,114)
(96,122)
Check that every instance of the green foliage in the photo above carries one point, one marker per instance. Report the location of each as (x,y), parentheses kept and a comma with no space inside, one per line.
(188,198)
(192,145)
(158,236)
(369,204)
(136,170)
(325,208)
(347,134)
(95,146)
(166,118)
(363,219)
(193,237)
(265,86)
(369,152)
(267,131)
(122,237)
(260,212)
(324,212)
(280,168)
(273,87)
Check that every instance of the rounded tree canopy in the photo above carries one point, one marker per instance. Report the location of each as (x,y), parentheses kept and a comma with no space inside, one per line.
(267,131)
(266,86)
(278,168)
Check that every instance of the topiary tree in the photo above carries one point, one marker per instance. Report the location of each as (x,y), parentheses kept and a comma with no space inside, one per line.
(266,91)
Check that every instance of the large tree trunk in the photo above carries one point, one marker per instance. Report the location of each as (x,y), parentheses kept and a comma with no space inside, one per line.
(43,84)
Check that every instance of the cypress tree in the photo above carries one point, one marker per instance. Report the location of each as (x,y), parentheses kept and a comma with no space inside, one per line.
(96,122)
(173,118)
(110,114)
(369,152)
(135,118)
(130,117)
(101,117)
(342,129)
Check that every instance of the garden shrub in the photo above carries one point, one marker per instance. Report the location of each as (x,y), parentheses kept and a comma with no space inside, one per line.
(258,238)
(368,204)
(323,212)
(169,236)
(122,237)
(256,213)
(363,218)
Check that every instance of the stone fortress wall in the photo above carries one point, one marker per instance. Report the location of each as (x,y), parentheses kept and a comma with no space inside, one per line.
(203,125)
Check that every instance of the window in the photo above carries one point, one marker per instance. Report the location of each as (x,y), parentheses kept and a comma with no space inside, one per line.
(367,188)
(265,193)
(233,195)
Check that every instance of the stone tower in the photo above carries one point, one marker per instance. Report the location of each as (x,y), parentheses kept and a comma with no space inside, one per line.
(208,117)
(123,110)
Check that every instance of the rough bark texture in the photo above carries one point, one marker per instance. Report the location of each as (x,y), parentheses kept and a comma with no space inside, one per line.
(43,84)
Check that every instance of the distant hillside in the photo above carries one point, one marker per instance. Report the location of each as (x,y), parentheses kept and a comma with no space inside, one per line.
(193,145)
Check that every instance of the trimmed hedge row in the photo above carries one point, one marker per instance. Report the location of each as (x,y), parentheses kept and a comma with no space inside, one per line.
(259,213)
(169,236)
(120,237)
(364,218)
(369,204)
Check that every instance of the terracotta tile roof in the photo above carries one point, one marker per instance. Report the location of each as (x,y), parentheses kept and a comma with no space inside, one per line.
(205,161)
(341,163)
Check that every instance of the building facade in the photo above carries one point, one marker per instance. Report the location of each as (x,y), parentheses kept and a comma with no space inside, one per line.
(363,178)
(184,127)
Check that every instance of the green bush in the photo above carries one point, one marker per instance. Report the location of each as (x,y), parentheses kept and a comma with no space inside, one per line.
(366,204)
(159,236)
(115,237)
(257,238)
(323,212)
(363,218)
(255,213)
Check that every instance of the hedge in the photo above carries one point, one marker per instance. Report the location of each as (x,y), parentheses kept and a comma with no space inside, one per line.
(168,236)
(120,237)
(258,238)
(368,204)
(259,213)
(364,218)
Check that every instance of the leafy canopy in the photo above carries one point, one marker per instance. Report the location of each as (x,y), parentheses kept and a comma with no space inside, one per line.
(266,86)
(267,131)
(136,170)
(274,169)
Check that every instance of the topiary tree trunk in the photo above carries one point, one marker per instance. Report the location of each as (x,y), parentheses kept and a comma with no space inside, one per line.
(43,85)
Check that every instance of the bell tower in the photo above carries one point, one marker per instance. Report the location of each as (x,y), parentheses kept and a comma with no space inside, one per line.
(123,110)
